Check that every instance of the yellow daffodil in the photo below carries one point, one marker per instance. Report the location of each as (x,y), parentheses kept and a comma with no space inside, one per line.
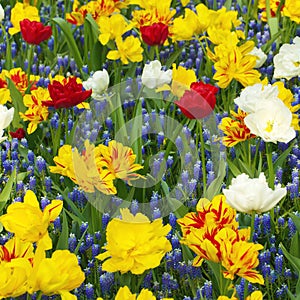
(185,28)
(58,274)
(118,160)
(256,295)
(36,112)
(112,27)
(20,12)
(224,19)
(125,294)
(28,222)
(144,247)
(291,9)
(89,176)
(127,50)
(181,81)
(64,163)
(13,277)
(234,129)
(288,98)
(234,65)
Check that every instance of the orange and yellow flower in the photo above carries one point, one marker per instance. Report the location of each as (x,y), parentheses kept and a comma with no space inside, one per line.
(274,5)
(238,256)
(96,8)
(212,233)
(15,248)
(37,112)
(234,129)
(234,65)
(28,222)
(143,249)
(118,160)
(20,80)
(90,176)
(199,229)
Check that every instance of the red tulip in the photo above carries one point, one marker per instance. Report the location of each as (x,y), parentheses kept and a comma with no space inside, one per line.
(66,94)
(34,32)
(18,134)
(155,34)
(199,101)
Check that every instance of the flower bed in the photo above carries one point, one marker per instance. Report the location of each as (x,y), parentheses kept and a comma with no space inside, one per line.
(149,149)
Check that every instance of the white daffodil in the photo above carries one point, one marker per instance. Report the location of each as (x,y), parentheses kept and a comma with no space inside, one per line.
(98,83)
(252,194)
(153,76)
(287,61)
(261,56)
(254,94)
(6,117)
(271,121)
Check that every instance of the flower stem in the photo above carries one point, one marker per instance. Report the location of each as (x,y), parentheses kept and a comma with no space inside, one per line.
(30,59)
(252,224)
(270,165)
(200,132)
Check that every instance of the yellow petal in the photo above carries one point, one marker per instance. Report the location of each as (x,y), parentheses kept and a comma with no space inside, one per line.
(30,199)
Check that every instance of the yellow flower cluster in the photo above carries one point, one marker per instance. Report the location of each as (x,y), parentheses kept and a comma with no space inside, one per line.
(212,233)
(144,247)
(97,167)
(23,270)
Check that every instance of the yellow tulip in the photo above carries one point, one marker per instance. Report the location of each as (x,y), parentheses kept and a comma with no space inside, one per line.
(144,247)
(20,12)
(28,222)
(56,275)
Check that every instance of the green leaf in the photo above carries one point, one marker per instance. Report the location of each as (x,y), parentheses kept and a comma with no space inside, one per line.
(282,158)
(63,239)
(296,221)
(66,28)
(70,202)
(5,195)
(227,4)
(233,168)
(18,103)
(215,187)
(295,245)
(98,55)
(273,24)
(295,261)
